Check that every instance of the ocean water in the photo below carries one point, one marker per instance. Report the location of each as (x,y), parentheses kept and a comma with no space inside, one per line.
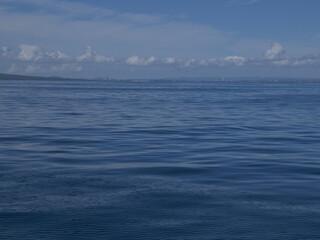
(159,160)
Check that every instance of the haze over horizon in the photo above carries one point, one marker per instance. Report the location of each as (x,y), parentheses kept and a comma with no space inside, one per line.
(160,39)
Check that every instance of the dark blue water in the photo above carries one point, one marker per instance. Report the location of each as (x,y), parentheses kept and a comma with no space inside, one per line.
(159,160)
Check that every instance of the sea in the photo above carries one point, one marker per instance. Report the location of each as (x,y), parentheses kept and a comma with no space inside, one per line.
(159,159)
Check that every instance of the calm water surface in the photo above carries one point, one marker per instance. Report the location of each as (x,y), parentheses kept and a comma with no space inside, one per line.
(159,160)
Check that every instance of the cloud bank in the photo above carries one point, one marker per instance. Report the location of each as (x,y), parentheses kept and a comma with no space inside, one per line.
(32,59)
(276,51)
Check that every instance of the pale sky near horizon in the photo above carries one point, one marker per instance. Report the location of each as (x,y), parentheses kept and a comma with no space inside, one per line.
(160,38)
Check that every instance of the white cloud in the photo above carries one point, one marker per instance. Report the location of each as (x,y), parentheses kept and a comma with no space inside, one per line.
(282,62)
(276,51)
(137,61)
(237,60)
(33,53)
(57,55)
(151,60)
(169,60)
(5,51)
(190,63)
(91,56)
(203,62)
(307,61)
(30,53)
(213,60)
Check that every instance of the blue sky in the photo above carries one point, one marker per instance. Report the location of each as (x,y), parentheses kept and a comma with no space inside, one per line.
(160,38)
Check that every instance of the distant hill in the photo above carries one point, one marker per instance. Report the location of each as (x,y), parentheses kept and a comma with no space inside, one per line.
(4,76)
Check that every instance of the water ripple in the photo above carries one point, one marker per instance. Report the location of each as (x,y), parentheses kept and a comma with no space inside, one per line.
(159,160)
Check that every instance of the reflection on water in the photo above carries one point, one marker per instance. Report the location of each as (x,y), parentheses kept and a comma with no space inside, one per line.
(159,160)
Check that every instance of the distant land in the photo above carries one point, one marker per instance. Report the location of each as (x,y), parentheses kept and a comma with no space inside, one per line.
(4,76)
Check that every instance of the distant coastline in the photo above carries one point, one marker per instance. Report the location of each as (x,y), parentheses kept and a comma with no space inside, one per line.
(4,76)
